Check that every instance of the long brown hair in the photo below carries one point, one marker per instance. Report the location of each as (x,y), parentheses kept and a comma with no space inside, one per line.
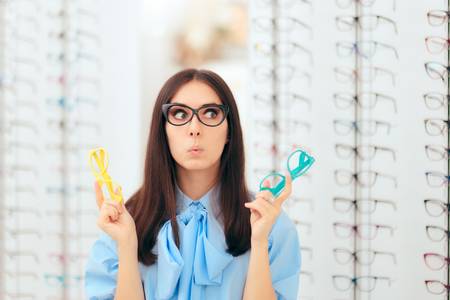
(154,202)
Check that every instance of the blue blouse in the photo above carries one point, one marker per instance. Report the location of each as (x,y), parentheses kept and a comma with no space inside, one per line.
(201,268)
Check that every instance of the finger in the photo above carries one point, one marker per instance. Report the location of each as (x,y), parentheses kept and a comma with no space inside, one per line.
(114,204)
(270,208)
(110,203)
(285,193)
(256,205)
(108,213)
(124,208)
(264,202)
(120,205)
(265,194)
(114,213)
(98,194)
(253,211)
(266,183)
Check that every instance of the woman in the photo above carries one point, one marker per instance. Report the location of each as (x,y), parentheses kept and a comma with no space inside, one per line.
(193,230)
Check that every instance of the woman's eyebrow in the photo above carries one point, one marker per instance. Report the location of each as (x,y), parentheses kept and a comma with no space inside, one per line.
(205,104)
(212,103)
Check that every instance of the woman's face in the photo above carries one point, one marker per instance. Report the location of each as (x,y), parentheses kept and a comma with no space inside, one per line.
(210,140)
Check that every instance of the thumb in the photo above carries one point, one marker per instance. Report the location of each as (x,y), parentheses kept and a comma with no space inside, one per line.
(266,183)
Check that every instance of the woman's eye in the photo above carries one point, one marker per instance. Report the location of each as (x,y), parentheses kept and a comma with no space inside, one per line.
(179,114)
(211,113)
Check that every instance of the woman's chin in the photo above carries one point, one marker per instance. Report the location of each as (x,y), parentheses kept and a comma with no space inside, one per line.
(195,165)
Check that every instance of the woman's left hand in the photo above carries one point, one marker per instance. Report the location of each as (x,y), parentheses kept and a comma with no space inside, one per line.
(265,210)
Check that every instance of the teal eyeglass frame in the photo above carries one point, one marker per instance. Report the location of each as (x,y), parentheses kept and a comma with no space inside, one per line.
(305,162)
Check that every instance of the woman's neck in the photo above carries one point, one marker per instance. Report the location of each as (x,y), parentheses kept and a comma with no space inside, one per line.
(196,183)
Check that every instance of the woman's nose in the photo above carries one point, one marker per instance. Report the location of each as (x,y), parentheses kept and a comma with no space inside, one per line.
(194,127)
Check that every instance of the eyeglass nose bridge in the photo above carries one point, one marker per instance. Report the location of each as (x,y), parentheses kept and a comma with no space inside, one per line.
(195,112)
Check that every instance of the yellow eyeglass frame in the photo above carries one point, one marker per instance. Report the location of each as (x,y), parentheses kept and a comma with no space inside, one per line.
(99,156)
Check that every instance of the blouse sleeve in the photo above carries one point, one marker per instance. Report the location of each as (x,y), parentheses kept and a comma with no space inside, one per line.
(101,269)
(284,258)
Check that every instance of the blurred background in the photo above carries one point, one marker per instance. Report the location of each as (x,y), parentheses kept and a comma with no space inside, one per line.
(362,85)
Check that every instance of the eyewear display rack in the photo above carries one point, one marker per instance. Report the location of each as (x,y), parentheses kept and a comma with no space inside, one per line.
(437,45)
(369,176)
(370,158)
(281,80)
(50,96)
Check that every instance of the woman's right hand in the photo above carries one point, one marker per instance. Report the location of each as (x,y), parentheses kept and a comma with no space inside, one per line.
(115,220)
